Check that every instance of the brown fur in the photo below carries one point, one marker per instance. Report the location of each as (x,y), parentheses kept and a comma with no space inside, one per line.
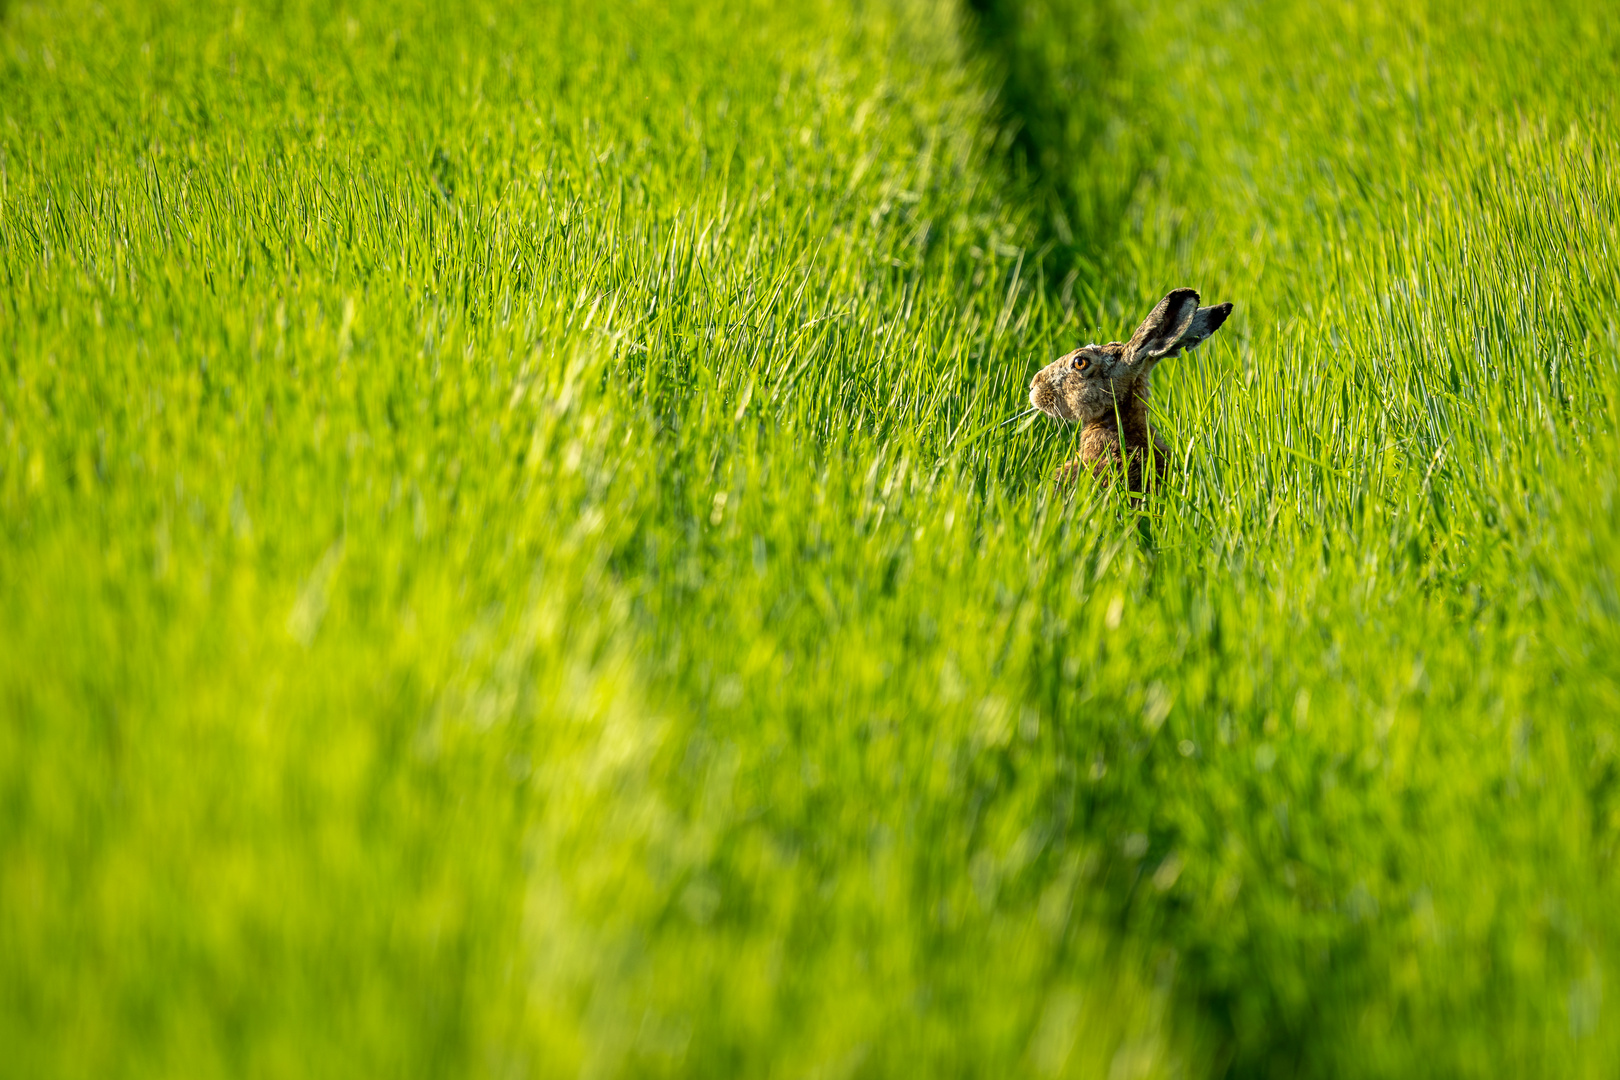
(1105,389)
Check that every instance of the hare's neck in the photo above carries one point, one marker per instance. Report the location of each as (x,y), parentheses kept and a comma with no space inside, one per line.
(1130,427)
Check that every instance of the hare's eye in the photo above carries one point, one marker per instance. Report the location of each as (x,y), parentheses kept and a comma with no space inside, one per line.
(1081,363)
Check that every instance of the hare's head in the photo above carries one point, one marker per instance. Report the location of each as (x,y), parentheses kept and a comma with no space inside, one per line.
(1093,381)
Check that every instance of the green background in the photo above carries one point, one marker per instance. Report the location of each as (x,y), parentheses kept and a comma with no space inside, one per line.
(508,566)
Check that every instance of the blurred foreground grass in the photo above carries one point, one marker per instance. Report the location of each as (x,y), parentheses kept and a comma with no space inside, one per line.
(506,566)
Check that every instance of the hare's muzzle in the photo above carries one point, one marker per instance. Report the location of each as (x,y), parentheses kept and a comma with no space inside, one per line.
(1046,396)
(1041,396)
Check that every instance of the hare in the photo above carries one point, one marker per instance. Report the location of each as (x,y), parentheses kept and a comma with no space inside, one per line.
(1105,389)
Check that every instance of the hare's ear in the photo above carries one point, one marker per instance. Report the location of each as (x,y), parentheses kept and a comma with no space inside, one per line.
(1204,323)
(1161,332)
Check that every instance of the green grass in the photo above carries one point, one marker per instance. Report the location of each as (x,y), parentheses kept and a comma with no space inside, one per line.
(508,568)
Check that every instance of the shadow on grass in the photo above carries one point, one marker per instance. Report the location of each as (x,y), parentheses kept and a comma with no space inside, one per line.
(1074,104)
(1079,103)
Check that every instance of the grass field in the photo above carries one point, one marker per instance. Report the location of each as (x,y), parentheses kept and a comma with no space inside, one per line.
(508,566)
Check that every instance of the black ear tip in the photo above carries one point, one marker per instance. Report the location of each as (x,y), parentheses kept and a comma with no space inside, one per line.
(1220,314)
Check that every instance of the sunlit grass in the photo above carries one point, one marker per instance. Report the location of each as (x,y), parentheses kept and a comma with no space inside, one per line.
(511,564)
